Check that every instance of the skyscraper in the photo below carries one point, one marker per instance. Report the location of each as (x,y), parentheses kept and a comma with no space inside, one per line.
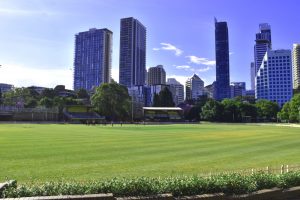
(238,89)
(132,52)
(252,75)
(274,77)
(92,63)
(194,87)
(263,42)
(222,89)
(177,90)
(156,75)
(296,66)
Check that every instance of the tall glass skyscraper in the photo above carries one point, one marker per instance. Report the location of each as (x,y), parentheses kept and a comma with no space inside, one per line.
(222,87)
(93,56)
(263,42)
(132,52)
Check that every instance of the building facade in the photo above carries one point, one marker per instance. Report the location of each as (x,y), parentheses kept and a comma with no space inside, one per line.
(263,42)
(194,88)
(238,89)
(222,87)
(274,77)
(177,90)
(93,57)
(296,66)
(6,87)
(132,64)
(252,75)
(156,75)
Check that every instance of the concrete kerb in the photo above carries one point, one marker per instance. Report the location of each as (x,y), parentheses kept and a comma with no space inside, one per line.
(267,194)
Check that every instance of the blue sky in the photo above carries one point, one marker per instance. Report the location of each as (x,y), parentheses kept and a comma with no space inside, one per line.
(37,36)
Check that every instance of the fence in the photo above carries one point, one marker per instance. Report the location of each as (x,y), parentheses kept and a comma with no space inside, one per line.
(269,169)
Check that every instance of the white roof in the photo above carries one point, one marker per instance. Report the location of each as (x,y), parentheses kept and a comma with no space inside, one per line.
(161,108)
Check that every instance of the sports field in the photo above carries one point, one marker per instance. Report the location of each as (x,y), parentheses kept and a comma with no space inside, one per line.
(33,152)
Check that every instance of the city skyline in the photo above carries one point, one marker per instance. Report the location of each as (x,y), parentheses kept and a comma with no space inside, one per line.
(38,37)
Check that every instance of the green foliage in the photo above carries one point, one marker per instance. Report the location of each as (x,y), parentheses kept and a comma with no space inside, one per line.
(112,100)
(166,99)
(46,101)
(156,100)
(82,94)
(163,99)
(212,111)
(230,113)
(291,110)
(18,97)
(266,109)
(142,186)
(50,93)
(1,101)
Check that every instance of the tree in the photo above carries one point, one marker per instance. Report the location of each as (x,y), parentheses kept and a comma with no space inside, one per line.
(48,92)
(47,102)
(112,100)
(20,97)
(212,111)
(156,100)
(165,98)
(246,110)
(284,114)
(230,113)
(1,101)
(294,108)
(266,109)
(82,94)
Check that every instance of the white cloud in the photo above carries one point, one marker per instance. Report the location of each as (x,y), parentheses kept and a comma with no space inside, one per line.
(22,76)
(201,61)
(204,69)
(181,79)
(231,53)
(169,47)
(193,69)
(183,67)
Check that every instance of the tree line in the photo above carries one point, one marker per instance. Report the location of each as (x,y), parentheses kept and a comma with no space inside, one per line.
(113,101)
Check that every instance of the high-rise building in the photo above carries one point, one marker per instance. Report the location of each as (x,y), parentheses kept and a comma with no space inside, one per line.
(263,42)
(156,75)
(209,90)
(238,89)
(252,75)
(6,87)
(194,87)
(222,87)
(93,57)
(177,90)
(132,52)
(296,66)
(274,77)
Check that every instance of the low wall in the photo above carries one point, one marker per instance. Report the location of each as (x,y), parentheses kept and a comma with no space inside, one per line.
(267,194)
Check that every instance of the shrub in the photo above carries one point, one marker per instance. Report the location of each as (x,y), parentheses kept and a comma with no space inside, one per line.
(178,186)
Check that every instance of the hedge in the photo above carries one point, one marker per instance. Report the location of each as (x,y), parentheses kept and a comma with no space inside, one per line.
(143,186)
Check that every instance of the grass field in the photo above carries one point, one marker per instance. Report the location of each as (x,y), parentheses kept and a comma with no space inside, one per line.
(32,152)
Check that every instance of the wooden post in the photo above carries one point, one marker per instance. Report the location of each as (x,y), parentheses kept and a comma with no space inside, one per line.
(287,168)
(282,169)
(252,171)
(268,170)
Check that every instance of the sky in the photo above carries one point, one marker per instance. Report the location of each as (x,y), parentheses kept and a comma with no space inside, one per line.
(37,36)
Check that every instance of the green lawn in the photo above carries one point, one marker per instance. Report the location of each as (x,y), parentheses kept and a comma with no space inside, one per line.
(32,152)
